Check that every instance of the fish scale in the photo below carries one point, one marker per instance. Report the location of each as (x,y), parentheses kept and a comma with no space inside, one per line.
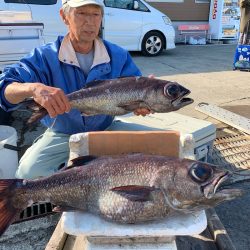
(121,96)
(133,188)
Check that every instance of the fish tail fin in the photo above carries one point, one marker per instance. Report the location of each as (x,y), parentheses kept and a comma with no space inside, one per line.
(38,112)
(8,211)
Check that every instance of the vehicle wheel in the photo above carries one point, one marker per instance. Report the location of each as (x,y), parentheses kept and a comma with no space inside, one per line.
(152,44)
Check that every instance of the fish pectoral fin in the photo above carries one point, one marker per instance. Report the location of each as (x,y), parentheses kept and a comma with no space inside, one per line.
(131,106)
(82,160)
(59,209)
(134,192)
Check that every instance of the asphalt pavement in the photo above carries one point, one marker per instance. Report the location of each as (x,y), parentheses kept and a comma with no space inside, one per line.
(208,72)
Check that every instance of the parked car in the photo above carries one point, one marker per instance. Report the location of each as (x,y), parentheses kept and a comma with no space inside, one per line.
(132,24)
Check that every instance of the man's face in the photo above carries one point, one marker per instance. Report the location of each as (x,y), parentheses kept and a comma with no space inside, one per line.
(84,23)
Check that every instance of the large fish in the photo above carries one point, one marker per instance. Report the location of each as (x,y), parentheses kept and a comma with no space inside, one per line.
(126,189)
(123,95)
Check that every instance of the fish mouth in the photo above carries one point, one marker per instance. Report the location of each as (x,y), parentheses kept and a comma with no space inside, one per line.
(215,188)
(182,100)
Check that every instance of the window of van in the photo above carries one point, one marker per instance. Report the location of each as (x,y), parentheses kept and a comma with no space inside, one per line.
(42,2)
(125,4)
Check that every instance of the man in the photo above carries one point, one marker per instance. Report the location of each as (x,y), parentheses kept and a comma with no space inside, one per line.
(244,22)
(59,68)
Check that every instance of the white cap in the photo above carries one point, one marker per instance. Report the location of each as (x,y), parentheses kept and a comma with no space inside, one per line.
(78,3)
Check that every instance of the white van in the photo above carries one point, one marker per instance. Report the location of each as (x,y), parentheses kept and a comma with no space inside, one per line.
(132,24)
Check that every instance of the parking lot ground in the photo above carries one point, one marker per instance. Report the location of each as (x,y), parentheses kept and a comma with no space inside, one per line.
(208,72)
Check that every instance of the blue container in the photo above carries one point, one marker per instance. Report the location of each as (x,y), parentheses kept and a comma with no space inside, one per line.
(242,57)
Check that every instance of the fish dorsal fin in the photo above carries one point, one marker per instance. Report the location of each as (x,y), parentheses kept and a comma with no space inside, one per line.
(135,192)
(96,83)
(125,77)
(81,160)
(103,82)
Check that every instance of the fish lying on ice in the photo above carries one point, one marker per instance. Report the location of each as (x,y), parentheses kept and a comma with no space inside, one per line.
(123,95)
(132,188)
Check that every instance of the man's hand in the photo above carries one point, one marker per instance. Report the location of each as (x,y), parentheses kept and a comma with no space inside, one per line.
(52,99)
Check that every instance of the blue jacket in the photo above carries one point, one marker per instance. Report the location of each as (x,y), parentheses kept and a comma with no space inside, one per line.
(43,65)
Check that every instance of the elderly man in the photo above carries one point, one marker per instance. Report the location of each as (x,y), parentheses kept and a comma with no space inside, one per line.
(59,68)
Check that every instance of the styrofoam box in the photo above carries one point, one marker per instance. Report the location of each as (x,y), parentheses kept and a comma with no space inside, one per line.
(122,141)
(203,132)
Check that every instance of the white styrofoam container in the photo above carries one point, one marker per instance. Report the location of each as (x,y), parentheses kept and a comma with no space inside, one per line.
(203,132)
(9,157)
(84,223)
(159,234)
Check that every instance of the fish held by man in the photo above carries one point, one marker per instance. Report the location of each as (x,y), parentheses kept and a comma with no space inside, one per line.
(121,96)
(132,188)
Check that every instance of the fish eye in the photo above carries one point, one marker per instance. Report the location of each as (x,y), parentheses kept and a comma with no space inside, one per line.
(200,172)
(172,90)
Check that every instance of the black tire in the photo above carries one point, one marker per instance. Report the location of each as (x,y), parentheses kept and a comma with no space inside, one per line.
(152,43)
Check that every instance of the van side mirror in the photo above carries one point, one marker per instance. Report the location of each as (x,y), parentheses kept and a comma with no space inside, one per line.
(136,5)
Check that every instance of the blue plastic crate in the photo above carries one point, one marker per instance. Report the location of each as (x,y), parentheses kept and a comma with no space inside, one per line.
(242,58)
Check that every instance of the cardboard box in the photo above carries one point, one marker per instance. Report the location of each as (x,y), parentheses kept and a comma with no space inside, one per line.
(202,132)
(122,142)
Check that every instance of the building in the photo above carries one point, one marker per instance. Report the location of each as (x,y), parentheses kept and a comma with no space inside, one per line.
(198,11)
(184,10)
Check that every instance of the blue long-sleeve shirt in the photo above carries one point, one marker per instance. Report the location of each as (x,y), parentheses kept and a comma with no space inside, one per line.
(55,65)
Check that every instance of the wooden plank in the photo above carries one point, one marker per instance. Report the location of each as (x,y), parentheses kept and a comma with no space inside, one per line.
(214,237)
(203,241)
(57,239)
(70,243)
(218,231)
(223,115)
